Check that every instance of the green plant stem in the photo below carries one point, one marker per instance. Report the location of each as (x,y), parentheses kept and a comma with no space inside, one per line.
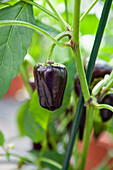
(76,50)
(17,156)
(58,37)
(96,90)
(109,85)
(88,10)
(28,25)
(25,80)
(82,77)
(111,75)
(30,60)
(102,106)
(64,24)
(89,72)
(57,165)
(87,132)
(76,16)
(41,8)
(66,10)
(52,140)
(26,71)
(29,161)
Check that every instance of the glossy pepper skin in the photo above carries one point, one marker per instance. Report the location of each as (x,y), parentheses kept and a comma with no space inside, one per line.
(50,81)
(105,113)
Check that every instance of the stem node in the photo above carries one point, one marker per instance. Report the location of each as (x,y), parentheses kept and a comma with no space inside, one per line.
(89,101)
(72,45)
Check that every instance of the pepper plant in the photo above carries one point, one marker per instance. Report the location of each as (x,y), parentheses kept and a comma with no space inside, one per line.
(26,29)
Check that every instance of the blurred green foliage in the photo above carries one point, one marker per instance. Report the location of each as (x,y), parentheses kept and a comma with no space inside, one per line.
(36,122)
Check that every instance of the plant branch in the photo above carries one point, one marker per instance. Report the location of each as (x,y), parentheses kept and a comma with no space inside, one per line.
(87,132)
(41,8)
(102,106)
(89,72)
(110,82)
(28,25)
(17,156)
(97,88)
(103,86)
(64,24)
(88,10)
(108,86)
(76,50)
(82,77)
(66,10)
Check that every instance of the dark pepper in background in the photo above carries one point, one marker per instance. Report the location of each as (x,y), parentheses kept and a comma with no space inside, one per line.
(100,70)
(105,113)
(50,81)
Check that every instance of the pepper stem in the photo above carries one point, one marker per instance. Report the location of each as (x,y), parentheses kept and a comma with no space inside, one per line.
(58,38)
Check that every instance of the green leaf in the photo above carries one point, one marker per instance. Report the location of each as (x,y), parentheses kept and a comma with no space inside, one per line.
(32,128)
(98,128)
(89,24)
(108,126)
(3,6)
(20,118)
(14,42)
(50,30)
(27,125)
(99,125)
(71,70)
(2,139)
(9,2)
(50,159)
(40,115)
(54,157)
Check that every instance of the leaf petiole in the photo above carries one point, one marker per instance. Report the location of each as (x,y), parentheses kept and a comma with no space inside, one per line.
(88,10)
(102,106)
(65,25)
(4,23)
(41,8)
